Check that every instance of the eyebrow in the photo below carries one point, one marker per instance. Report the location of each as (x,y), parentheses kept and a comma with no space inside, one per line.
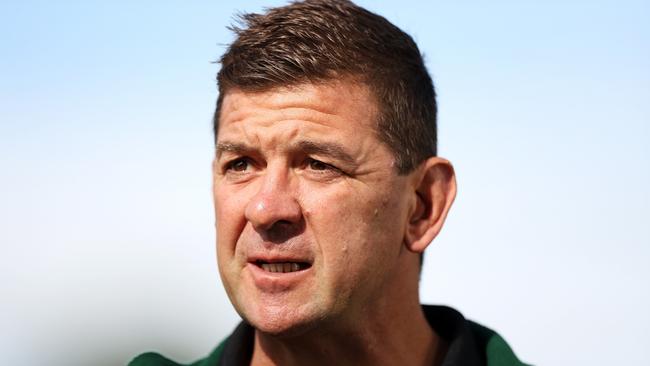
(231,147)
(331,149)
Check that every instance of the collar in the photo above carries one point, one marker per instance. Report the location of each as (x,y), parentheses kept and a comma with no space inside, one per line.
(448,323)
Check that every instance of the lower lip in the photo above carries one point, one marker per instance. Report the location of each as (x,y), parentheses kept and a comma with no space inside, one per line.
(276,281)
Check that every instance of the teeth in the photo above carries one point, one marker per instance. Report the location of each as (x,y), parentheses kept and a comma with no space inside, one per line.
(285,267)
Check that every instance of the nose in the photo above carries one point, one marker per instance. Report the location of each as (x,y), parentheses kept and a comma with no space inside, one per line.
(275,208)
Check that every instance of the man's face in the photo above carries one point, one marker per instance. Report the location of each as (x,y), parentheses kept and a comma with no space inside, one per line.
(310,211)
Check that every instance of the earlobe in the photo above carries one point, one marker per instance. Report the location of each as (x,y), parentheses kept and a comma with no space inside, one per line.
(435,192)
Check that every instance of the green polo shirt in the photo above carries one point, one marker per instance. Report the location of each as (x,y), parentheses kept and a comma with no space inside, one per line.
(469,344)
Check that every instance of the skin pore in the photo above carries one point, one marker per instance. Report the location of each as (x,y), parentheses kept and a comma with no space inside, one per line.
(318,237)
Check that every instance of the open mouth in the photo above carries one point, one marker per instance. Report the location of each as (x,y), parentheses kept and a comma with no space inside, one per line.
(282,267)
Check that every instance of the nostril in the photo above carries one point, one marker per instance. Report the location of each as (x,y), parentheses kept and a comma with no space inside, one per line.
(282,223)
(281,231)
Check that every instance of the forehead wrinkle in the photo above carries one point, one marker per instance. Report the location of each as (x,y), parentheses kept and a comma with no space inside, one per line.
(301,101)
(262,117)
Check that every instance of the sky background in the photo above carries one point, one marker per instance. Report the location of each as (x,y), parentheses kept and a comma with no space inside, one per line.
(106,219)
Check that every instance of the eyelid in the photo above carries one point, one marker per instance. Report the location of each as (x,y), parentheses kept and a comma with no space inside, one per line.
(329,167)
(228,164)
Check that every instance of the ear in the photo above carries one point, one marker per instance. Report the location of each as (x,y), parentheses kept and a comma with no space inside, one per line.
(435,190)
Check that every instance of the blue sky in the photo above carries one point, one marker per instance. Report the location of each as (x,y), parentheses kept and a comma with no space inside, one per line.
(106,225)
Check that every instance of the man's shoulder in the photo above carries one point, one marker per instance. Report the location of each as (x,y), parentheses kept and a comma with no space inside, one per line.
(156,359)
(469,343)
(152,359)
(497,350)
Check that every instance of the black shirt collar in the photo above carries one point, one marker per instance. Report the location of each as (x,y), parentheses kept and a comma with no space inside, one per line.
(448,323)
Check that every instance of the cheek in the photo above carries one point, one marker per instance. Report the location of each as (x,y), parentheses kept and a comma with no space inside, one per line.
(353,226)
(331,212)
(229,215)
(230,221)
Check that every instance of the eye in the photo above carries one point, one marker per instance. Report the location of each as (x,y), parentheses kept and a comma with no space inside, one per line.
(322,169)
(238,165)
(318,165)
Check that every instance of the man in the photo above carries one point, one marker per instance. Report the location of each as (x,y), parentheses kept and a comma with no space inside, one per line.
(327,190)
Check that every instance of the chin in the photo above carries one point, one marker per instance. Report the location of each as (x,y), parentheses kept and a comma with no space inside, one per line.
(282,324)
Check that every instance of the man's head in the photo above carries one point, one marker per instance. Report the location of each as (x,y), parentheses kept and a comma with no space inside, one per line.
(316,41)
(326,184)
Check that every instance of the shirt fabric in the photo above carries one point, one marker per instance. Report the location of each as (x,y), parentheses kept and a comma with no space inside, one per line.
(469,344)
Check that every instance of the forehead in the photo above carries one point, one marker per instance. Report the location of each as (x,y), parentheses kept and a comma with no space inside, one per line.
(347,102)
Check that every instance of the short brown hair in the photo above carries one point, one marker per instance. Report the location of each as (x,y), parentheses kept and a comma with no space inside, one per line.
(315,41)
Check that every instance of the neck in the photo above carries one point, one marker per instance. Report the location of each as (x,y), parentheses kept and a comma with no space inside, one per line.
(405,341)
(385,334)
